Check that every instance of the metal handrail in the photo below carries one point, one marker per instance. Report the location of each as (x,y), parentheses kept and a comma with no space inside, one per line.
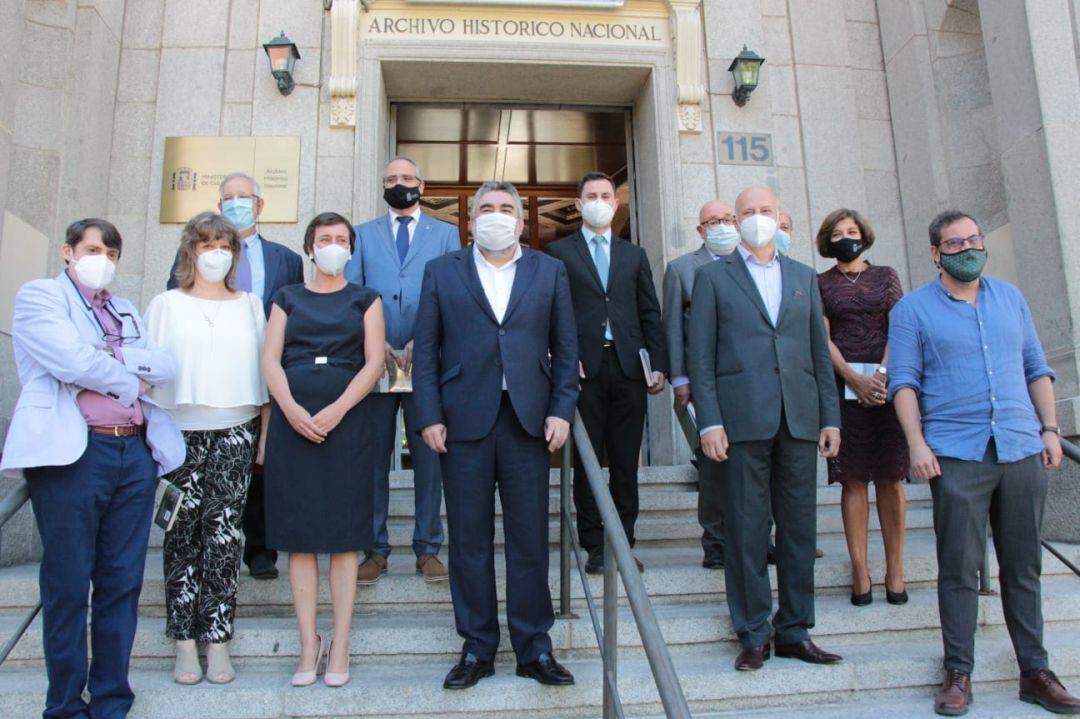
(9,506)
(1071,451)
(617,559)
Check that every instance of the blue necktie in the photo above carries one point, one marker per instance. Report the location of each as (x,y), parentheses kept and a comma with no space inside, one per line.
(242,280)
(600,256)
(403,237)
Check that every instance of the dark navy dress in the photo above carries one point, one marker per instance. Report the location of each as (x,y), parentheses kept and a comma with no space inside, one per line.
(319,496)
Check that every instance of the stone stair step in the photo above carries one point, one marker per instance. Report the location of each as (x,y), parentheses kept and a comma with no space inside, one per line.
(672,575)
(710,682)
(379,637)
(664,517)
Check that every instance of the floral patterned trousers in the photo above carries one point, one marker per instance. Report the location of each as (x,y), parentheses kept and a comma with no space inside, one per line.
(202,550)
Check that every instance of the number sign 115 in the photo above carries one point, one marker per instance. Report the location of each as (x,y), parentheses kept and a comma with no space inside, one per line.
(744,148)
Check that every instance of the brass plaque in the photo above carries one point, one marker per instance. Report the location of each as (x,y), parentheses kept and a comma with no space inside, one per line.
(195,166)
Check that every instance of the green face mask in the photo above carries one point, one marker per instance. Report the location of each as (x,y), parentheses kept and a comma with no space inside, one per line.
(964,266)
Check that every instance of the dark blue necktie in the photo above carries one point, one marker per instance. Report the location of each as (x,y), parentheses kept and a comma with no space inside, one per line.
(403,236)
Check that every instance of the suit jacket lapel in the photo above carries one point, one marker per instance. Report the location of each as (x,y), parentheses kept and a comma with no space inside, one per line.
(702,256)
(82,314)
(582,246)
(786,287)
(737,270)
(389,240)
(467,269)
(270,268)
(523,277)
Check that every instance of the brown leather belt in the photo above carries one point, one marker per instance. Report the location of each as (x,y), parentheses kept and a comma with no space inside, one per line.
(128,430)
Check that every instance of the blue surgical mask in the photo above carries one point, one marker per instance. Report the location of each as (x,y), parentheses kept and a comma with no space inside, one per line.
(721,239)
(240,211)
(783,242)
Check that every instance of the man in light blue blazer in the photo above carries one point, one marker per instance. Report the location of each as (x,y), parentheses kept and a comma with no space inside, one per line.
(391,254)
(91,446)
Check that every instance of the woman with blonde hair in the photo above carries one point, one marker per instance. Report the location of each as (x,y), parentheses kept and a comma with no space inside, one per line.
(214,334)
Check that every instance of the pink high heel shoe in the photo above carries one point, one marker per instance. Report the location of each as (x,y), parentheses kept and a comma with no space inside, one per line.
(334,679)
(306,679)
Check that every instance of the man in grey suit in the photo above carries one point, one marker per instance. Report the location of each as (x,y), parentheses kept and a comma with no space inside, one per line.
(391,254)
(765,395)
(717,227)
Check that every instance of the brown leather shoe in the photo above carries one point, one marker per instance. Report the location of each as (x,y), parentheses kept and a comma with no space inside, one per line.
(752,658)
(955,695)
(431,568)
(371,569)
(807,651)
(1044,689)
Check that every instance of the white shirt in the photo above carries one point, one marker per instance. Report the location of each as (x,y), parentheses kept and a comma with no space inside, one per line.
(497,283)
(216,346)
(411,227)
(768,279)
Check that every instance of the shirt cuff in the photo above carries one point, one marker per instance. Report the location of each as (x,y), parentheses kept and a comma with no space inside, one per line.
(836,429)
(710,428)
(680,381)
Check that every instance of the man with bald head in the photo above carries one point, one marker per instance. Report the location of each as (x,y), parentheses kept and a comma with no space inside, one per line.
(719,234)
(783,233)
(765,397)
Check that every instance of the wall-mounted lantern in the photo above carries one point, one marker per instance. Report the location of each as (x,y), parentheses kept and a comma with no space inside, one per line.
(283,56)
(745,67)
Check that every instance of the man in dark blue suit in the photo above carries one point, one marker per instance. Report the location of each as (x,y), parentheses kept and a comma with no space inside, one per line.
(264,267)
(495,379)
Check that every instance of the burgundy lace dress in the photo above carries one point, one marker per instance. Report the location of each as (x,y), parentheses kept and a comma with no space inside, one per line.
(872,445)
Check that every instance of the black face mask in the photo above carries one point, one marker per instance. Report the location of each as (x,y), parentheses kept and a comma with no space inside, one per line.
(401,197)
(847,249)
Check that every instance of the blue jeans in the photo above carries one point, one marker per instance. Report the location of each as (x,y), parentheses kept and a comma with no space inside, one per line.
(427,477)
(94,519)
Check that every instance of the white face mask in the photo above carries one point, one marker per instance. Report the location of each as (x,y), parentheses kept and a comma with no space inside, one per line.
(722,239)
(758,230)
(495,231)
(214,265)
(95,271)
(597,213)
(331,259)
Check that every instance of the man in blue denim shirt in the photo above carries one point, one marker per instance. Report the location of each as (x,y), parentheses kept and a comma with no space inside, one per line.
(975,397)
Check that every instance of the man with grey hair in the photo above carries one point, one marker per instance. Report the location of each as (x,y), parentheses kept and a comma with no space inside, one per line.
(262,269)
(496,385)
(391,253)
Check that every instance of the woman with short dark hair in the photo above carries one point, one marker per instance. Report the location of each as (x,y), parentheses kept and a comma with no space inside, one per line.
(325,345)
(214,334)
(857,297)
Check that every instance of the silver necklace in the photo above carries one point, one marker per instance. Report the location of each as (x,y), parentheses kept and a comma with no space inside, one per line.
(209,320)
(857,276)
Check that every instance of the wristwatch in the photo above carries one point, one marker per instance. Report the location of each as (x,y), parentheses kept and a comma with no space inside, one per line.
(881,370)
(1050,428)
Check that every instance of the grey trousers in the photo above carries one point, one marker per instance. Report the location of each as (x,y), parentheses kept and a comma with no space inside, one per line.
(710,508)
(781,473)
(1011,496)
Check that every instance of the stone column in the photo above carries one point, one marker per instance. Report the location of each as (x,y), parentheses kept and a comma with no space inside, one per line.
(1031,59)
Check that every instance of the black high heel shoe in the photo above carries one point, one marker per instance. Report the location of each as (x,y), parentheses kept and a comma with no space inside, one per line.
(861,600)
(896,597)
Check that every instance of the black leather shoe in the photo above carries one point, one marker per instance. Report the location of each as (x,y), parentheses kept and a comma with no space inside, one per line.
(546,671)
(595,563)
(900,597)
(262,567)
(467,672)
(807,651)
(713,563)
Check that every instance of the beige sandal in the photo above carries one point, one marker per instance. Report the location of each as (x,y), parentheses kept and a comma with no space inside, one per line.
(188,671)
(219,669)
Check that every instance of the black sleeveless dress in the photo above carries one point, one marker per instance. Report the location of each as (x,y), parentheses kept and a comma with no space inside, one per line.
(319,496)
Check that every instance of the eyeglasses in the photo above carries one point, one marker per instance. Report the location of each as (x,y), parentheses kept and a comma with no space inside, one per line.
(391,180)
(955,244)
(123,319)
(714,222)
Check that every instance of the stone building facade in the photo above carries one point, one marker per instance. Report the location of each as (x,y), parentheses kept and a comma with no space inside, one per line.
(898,108)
